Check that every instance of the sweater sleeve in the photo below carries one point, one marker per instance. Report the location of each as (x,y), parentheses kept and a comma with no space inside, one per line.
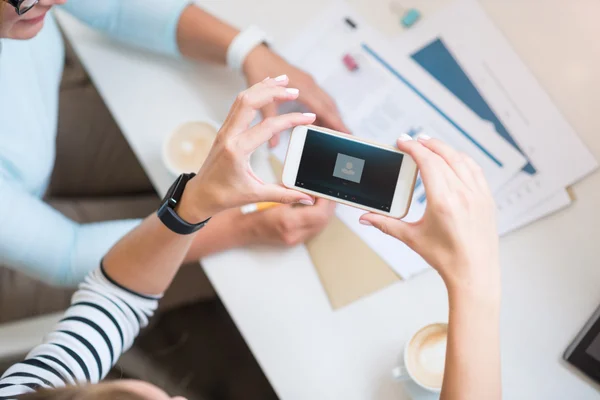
(102,322)
(150,24)
(41,242)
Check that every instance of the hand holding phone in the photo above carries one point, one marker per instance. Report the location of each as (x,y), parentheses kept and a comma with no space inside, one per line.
(226,179)
(457,234)
(349,170)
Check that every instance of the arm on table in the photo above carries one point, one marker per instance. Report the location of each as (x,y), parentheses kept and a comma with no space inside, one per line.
(203,37)
(149,24)
(41,242)
(178,27)
(170,27)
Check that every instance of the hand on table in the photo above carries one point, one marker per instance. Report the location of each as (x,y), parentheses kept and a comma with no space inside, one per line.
(457,234)
(226,179)
(284,225)
(287,225)
(263,62)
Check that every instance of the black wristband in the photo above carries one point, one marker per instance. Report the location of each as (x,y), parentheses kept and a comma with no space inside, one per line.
(168,215)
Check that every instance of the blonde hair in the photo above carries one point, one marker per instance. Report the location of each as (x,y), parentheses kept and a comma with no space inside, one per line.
(89,392)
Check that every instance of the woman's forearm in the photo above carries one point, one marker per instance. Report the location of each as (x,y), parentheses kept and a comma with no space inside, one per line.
(226,231)
(147,258)
(472,369)
(203,37)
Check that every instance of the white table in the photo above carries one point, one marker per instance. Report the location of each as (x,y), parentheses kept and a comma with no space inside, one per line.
(307,351)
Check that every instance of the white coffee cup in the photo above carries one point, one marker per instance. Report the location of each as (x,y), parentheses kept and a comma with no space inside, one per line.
(186,148)
(424,358)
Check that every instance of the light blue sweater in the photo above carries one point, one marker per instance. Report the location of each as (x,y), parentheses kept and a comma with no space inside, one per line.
(34,238)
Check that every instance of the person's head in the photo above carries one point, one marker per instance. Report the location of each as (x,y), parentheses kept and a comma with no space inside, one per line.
(113,390)
(27,25)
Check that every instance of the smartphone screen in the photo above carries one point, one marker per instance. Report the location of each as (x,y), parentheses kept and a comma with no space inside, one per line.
(349,170)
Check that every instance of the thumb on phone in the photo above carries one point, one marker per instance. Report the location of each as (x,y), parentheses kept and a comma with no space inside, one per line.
(282,195)
(403,231)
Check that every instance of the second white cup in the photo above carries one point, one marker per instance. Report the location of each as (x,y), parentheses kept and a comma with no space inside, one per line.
(186,148)
(424,358)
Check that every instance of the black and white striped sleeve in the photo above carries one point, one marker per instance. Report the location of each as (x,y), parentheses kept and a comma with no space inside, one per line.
(101,324)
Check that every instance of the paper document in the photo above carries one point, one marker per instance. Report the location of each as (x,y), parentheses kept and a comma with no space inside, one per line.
(387,96)
(484,72)
(470,90)
(550,205)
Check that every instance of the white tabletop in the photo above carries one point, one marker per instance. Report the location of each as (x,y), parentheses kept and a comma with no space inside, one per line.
(308,351)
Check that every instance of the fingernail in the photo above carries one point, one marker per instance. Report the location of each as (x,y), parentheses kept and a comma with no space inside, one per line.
(281,78)
(306,202)
(404,138)
(267,78)
(312,115)
(292,90)
(422,136)
(365,222)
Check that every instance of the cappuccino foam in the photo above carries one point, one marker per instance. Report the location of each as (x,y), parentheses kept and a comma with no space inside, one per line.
(427,355)
(188,147)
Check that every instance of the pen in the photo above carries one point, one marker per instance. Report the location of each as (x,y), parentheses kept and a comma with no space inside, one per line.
(250,208)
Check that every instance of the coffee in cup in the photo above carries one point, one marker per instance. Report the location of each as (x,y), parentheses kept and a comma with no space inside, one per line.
(425,357)
(187,147)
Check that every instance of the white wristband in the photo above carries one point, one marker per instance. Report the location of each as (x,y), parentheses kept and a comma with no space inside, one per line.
(243,44)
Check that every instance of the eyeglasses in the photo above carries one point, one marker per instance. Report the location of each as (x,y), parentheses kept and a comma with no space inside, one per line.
(22,6)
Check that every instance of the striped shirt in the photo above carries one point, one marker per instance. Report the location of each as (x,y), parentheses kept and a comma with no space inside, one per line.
(102,322)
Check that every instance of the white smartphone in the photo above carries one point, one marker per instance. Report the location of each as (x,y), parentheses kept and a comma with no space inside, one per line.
(350,170)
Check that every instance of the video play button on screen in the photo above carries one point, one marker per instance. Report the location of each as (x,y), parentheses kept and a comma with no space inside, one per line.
(349,168)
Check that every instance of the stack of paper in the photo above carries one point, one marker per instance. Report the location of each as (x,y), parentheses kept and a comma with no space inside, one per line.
(469,90)
(462,49)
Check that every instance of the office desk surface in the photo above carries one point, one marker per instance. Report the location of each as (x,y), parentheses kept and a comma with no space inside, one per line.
(550,269)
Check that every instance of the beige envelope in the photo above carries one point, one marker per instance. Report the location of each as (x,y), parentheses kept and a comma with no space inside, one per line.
(348,268)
